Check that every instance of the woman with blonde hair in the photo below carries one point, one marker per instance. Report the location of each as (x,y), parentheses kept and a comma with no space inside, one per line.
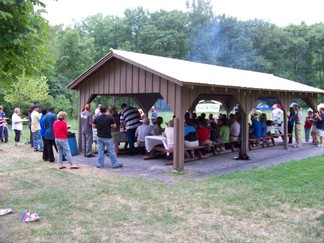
(169,135)
(17,126)
(60,133)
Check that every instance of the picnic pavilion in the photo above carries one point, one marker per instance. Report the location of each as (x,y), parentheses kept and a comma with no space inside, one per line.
(182,84)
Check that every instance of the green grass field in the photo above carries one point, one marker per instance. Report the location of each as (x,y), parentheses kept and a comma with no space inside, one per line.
(283,203)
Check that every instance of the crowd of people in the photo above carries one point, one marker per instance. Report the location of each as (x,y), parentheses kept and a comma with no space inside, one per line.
(49,131)
(313,125)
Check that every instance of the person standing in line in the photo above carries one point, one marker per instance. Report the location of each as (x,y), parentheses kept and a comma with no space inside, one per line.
(308,125)
(276,115)
(130,120)
(291,123)
(320,126)
(49,120)
(29,126)
(35,128)
(87,133)
(153,115)
(298,121)
(314,129)
(115,131)
(17,125)
(3,123)
(103,124)
(97,111)
(142,114)
(42,132)
(60,133)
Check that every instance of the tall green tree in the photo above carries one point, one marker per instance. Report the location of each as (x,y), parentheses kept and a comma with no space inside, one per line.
(317,48)
(134,22)
(106,32)
(22,35)
(27,91)
(165,34)
(75,54)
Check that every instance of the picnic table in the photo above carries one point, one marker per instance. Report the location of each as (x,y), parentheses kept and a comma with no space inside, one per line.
(152,141)
(156,147)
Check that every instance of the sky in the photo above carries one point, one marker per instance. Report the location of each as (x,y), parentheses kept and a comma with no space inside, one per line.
(279,12)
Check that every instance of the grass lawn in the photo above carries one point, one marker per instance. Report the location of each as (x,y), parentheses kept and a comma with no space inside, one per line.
(283,203)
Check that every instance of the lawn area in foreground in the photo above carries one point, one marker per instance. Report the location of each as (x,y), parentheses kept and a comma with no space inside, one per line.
(283,203)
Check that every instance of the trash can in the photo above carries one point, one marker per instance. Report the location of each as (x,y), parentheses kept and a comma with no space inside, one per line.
(72,143)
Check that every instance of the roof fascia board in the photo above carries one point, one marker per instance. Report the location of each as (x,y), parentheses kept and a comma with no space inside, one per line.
(90,71)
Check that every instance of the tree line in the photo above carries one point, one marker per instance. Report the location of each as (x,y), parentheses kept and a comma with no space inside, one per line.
(39,61)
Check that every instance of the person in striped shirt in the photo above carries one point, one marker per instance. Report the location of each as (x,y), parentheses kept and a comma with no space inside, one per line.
(130,120)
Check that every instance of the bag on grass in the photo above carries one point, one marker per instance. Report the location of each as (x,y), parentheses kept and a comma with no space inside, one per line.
(242,156)
(29,217)
(4,211)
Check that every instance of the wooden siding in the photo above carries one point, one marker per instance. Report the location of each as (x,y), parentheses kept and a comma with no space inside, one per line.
(126,79)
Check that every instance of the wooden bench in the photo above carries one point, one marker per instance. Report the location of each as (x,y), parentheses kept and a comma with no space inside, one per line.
(198,154)
(156,152)
(261,141)
(278,135)
(230,144)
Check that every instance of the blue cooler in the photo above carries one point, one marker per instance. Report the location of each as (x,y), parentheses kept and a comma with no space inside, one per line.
(72,143)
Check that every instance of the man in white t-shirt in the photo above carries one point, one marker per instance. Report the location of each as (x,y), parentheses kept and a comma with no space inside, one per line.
(276,115)
(35,128)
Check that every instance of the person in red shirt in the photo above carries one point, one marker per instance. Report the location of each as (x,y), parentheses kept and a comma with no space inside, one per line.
(308,125)
(203,134)
(60,133)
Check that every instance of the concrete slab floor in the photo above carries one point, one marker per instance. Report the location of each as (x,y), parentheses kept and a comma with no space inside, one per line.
(220,164)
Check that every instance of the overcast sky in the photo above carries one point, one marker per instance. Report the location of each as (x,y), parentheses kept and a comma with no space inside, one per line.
(280,12)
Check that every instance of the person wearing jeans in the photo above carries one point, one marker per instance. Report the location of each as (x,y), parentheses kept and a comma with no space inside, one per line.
(60,133)
(87,133)
(103,124)
(35,129)
(308,125)
(291,123)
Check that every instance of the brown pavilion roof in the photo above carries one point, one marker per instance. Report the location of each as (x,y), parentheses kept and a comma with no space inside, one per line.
(186,73)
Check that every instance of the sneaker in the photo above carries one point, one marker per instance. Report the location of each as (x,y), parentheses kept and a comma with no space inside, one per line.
(118,166)
(320,145)
(99,167)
